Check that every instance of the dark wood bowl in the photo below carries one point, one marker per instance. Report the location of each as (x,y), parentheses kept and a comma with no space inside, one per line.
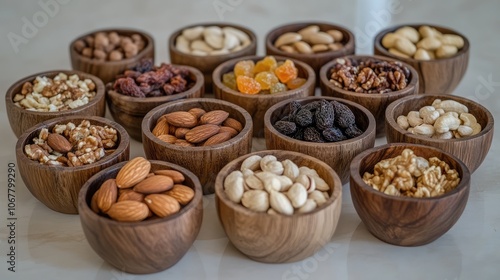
(141,247)
(280,238)
(440,76)
(406,221)
(374,102)
(207,64)
(204,161)
(257,104)
(129,111)
(57,186)
(316,60)
(107,70)
(470,150)
(21,120)
(337,155)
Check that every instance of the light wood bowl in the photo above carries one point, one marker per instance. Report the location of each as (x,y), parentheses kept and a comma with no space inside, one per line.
(257,104)
(280,238)
(207,64)
(57,186)
(406,221)
(337,155)
(470,150)
(316,60)
(440,76)
(374,102)
(21,120)
(204,161)
(129,111)
(107,70)
(141,247)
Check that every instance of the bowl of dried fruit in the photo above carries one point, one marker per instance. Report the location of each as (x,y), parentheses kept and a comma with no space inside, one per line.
(256,83)
(455,124)
(439,55)
(408,194)
(141,216)
(371,81)
(108,52)
(56,157)
(206,45)
(133,93)
(51,94)
(278,206)
(201,134)
(330,129)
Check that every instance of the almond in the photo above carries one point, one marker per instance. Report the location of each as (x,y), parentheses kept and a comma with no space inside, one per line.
(176,176)
(182,119)
(93,203)
(161,127)
(162,205)
(214,117)
(233,124)
(128,211)
(172,130)
(217,139)
(183,143)
(167,138)
(202,133)
(197,112)
(108,193)
(133,172)
(154,184)
(131,195)
(59,143)
(183,194)
(229,130)
(181,132)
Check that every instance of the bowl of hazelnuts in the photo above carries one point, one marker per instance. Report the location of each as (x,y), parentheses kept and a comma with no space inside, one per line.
(108,52)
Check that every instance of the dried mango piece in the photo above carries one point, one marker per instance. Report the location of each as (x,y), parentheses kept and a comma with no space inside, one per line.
(287,71)
(247,85)
(244,68)
(268,63)
(295,83)
(266,79)
(229,80)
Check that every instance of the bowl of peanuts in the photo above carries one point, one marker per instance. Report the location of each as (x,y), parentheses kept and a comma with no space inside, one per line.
(141,216)
(408,194)
(440,55)
(278,206)
(106,53)
(56,157)
(51,94)
(455,124)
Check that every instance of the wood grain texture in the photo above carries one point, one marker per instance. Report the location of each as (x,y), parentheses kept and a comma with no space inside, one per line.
(257,104)
(147,246)
(375,103)
(56,186)
(205,161)
(317,60)
(207,64)
(107,70)
(406,221)
(337,155)
(21,120)
(129,111)
(280,238)
(439,76)
(471,150)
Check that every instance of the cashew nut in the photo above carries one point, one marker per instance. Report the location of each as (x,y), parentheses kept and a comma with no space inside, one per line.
(468,119)
(464,130)
(446,123)
(451,106)
(429,114)
(414,118)
(403,122)
(446,135)
(424,129)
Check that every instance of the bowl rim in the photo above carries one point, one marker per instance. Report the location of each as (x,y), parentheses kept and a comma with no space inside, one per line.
(359,183)
(148,118)
(370,129)
(217,74)
(149,47)
(83,206)
(377,43)
(100,92)
(411,86)
(390,121)
(336,194)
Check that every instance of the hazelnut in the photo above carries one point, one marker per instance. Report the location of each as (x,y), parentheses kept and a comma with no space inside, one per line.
(87,52)
(89,40)
(130,50)
(114,38)
(115,55)
(99,54)
(79,45)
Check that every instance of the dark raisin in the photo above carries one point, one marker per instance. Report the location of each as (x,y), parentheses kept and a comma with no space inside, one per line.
(333,134)
(344,117)
(144,65)
(285,118)
(324,115)
(312,106)
(127,86)
(299,134)
(304,118)
(312,135)
(293,107)
(353,131)
(286,128)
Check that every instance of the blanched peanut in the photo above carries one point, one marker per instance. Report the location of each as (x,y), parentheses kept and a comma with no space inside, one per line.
(405,46)
(453,40)
(309,40)
(429,43)
(389,40)
(446,51)
(409,32)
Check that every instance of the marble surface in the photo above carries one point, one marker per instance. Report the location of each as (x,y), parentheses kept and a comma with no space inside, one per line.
(50,245)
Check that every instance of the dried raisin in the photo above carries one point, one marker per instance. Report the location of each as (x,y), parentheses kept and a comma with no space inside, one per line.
(353,131)
(344,117)
(304,117)
(312,135)
(333,134)
(324,115)
(312,106)
(285,127)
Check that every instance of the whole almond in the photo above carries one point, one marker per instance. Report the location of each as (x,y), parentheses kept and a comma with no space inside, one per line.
(133,172)
(229,130)
(108,193)
(214,117)
(233,124)
(161,127)
(93,203)
(154,184)
(131,195)
(172,129)
(202,132)
(197,112)
(176,176)
(183,143)
(59,143)
(162,205)
(167,138)
(180,132)
(182,119)
(217,139)
(128,211)
(183,194)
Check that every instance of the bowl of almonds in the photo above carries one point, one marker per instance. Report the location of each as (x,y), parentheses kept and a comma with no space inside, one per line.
(278,206)
(439,55)
(408,194)
(141,216)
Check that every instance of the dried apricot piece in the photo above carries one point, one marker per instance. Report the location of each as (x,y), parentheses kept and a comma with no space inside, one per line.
(295,83)
(229,80)
(287,71)
(244,68)
(268,63)
(278,87)
(266,79)
(247,85)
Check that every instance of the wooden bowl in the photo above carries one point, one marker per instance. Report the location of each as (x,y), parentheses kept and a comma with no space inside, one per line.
(337,155)
(107,70)
(257,104)
(129,111)
(470,150)
(207,64)
(375,103)
(400,220)
(280,238)
(57,186)
(141,247)
(435,76)
(316,60)
(21,119)
(204,162)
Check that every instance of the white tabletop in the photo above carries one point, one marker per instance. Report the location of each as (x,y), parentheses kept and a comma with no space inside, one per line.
(50,245)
